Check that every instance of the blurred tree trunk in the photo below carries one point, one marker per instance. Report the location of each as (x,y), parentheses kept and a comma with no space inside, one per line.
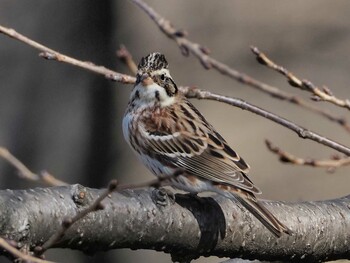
(57,115)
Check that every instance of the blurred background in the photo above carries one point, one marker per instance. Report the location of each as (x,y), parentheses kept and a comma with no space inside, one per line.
(68,121)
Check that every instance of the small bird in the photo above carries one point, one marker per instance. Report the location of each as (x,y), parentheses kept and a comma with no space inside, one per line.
(171,137)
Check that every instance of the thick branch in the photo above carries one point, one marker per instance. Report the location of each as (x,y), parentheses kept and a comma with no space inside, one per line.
(187,228)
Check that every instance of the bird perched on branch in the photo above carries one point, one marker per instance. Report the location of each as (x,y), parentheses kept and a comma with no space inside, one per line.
(171,136)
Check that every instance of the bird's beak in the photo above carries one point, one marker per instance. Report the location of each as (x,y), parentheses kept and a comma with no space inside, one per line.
(146,80)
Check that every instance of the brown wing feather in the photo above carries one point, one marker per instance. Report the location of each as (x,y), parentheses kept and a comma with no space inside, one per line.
(182,133)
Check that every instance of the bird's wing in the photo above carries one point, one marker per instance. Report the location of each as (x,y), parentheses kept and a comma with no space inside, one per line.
(181,134)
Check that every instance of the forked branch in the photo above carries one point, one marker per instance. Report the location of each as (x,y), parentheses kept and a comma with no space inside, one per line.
(319,94)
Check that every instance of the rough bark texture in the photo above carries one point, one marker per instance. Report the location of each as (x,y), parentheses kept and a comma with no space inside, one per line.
(187,228)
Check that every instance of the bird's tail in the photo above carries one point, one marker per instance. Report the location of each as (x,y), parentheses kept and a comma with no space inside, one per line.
(263,215)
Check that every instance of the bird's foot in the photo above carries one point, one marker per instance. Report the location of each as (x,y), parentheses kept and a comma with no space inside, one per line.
(163,196)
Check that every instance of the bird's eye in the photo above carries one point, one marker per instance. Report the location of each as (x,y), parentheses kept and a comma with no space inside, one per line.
(162,77)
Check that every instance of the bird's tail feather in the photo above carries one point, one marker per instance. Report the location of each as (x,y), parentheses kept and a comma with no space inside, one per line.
(263,215)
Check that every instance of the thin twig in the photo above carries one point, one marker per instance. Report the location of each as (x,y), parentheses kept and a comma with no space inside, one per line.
(51,54)
(202,53)
(25,173)
(124,55)
(287,157)
(20,255)
(324,94)
(22,169)
(49,179)
(192,92)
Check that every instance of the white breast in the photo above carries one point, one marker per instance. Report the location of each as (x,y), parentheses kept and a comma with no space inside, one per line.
(148,97)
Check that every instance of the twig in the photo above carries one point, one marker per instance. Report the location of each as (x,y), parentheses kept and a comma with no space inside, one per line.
(192,92)
(124,55)
(287,157)
(324,94)
(202,53)
(49,179)
(51,54)
(20,255)
(22,169)
(25,173)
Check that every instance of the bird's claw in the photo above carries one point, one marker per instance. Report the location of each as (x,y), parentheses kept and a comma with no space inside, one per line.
(163,196)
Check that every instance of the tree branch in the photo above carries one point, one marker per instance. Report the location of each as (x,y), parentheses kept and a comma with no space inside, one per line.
(51,54)
(19,255)
(302,132)
(124,55)
(202,53)
(187,228)
(68,222)
(324,94)
(286,157)
(96,205)
(24,172)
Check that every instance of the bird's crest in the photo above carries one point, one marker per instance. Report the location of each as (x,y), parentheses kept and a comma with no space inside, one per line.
(153,61)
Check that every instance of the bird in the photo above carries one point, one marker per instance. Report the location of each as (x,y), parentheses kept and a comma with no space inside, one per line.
(171,137)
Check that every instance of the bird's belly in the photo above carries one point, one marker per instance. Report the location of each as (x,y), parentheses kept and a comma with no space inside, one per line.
(192,184)
(184,182)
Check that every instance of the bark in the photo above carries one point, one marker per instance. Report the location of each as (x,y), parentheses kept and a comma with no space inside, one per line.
(186,228)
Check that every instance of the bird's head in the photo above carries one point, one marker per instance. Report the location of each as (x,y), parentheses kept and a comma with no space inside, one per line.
(153,81)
